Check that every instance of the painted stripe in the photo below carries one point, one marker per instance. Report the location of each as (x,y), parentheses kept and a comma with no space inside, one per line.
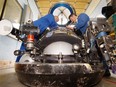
(110,81)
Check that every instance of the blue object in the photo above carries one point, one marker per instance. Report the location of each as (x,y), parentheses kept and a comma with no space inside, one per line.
(101,34)
(61,5)
(44,22)
(82,22)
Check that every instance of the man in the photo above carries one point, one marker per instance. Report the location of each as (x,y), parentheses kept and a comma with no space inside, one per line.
(81,22)
(80,27)
(46,21)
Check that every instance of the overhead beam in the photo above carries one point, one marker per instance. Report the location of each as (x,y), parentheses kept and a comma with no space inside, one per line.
(79,5)
(92,6)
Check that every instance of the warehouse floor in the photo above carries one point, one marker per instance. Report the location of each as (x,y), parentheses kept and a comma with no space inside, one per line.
(8,78)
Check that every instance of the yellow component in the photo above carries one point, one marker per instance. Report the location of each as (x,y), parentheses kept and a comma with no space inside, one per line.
(112,34)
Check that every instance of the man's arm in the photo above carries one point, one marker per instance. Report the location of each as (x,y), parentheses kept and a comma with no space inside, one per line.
(53,25)
(82,20)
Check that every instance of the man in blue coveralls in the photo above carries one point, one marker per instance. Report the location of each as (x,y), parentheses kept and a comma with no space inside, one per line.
(81,22)
(80,27)
(48,20)
(43,23)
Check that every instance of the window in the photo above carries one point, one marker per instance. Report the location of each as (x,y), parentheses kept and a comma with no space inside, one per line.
(13,12)
(63,10)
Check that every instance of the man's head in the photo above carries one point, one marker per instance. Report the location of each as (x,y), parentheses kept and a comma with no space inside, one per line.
(73,17)
(56,18)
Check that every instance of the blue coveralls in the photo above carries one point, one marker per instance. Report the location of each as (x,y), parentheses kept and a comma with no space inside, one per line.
(82,22)
(44,22)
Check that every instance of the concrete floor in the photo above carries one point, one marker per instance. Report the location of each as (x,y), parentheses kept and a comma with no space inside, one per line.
(8,78)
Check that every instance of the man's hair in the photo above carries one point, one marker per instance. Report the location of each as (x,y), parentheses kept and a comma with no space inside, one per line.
(71,15)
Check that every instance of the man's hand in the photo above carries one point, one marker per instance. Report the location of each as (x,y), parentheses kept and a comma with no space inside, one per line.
(70,27)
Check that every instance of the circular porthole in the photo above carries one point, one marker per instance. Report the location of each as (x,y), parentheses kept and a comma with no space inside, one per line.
(62,10)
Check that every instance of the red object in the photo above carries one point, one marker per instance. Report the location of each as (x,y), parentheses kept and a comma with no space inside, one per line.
(30,37)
